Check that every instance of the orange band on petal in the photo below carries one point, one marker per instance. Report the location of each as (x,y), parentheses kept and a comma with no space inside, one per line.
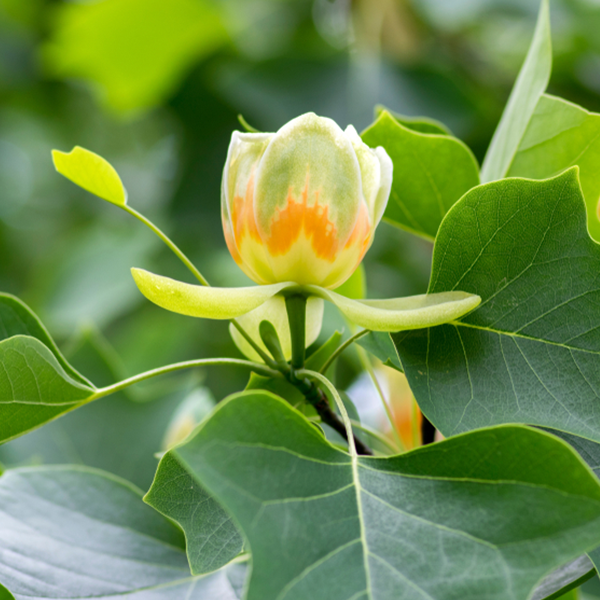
(298,217)
(242,213)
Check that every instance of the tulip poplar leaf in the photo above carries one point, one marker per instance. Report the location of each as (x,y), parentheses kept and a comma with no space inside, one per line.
(431,172)
(212,539)
(34,387)
(16,318)
(367,528)
(531,352)
(530,85)
(560,135)
(97,540)
(91,172)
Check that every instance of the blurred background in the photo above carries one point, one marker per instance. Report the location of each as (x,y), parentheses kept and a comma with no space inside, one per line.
(155,86)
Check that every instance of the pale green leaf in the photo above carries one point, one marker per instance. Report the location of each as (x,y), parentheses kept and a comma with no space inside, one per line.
(34,388)
(202,301)
(530,85)
(464,518)
(91,172)
(212,539)
(531,351)
(380,345)
(133,52)
(79,533)
(560,135)
(431,172)
(396,314)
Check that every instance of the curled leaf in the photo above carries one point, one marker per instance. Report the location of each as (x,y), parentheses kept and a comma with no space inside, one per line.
(91,172)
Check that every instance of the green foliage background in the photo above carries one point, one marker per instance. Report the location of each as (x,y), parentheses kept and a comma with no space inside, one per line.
(157,92)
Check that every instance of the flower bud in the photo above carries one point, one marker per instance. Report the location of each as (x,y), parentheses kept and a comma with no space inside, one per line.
(302,204)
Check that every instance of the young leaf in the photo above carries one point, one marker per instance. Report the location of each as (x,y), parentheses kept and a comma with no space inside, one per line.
(465,518)
(212,539)
(530,85)
(74,532)
(319,357)
(34,388)
(531,352)
(16,318)
(560,135)
(380,345)
(431,172)
(91,172)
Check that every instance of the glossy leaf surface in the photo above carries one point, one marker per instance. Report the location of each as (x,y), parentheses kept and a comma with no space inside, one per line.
(323,524)
(69,532)
(531,352)
(431,172)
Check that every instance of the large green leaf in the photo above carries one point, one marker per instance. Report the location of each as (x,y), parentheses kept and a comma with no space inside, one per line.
(531,352)
(16,318)
(471,517)
(34,388)
(118,434)
(431,172)
(560,135)
(69,532)
(530,85)
(212,539)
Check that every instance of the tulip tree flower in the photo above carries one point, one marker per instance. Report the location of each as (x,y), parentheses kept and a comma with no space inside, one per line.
(299,209)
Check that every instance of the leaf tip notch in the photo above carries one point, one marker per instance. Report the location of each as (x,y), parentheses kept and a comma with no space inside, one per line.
(91,172)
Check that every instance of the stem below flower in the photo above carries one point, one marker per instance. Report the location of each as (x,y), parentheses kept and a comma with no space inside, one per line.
(296,309)
(317,398)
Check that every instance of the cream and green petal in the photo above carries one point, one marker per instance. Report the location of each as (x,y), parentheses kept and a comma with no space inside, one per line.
(201,301)
(397,314)
(308,162)
(237,204)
